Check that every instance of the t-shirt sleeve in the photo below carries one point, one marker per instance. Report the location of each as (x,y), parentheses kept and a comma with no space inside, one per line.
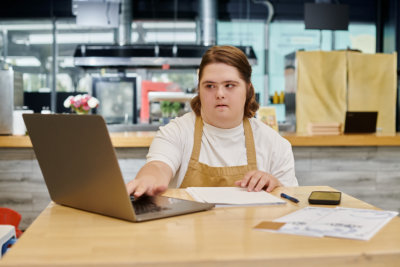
(167,145)
(283,164)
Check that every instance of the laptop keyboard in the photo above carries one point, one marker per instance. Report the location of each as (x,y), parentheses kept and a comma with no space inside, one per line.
(144,205)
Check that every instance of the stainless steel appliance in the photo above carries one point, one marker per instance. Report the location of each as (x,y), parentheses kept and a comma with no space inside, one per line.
(182,56)
(117,96)
(6,99)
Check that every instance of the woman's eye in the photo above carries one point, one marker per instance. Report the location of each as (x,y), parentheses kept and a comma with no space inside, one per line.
(229,85)
(209,86)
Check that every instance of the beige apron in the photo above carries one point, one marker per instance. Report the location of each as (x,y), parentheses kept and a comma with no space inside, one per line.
(199,174)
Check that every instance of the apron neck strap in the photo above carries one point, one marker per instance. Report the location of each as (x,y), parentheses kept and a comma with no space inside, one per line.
(250,147)
(198,133)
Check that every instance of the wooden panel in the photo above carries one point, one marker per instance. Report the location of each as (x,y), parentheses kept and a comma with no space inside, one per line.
(123,139)
(144,139)
(130,153)
(335,159)
(388,158)
(15,141)
(348,182)
(22,186)
(132,139)
(369,173)
(302,158)
(343,140)
(130,167)
(16,153)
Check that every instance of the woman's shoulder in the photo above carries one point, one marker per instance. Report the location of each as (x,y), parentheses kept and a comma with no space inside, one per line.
(265,132)
(259,126)
(186,120)
(180,124)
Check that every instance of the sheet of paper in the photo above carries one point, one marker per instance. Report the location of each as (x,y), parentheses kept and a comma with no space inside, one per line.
(361,224)
(298,222)
(232,196)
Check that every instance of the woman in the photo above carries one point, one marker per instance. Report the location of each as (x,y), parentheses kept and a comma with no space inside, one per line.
(219,143)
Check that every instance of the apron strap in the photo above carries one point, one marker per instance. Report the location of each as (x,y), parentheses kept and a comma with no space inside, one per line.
(250,147)
(198,133)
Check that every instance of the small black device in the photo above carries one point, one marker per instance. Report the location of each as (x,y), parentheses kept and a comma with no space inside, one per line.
(360,122)
(325,197)
(325,16)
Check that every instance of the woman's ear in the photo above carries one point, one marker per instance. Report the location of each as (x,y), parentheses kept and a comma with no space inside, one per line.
(249,87)
(198,90)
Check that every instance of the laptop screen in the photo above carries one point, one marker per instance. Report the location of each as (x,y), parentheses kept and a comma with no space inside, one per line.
(360,122)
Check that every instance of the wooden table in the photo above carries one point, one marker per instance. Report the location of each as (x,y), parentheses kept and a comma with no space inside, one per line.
(63,236)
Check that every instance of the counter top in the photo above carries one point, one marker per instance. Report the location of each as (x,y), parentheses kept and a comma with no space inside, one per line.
(343,139)
(120,139)
(144,139)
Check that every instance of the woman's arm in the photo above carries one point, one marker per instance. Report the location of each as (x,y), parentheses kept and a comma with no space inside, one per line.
(152,179)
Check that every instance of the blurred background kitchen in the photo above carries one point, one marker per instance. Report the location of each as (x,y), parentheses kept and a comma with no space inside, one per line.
(134,54)
(139,58)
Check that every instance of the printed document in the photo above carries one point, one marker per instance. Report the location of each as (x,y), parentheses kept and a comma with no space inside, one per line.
(232,196)
(360,224)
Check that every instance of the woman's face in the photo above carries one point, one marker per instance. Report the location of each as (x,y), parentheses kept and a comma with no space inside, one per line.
(222,95)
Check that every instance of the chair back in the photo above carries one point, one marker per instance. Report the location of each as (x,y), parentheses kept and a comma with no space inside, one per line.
(11,217)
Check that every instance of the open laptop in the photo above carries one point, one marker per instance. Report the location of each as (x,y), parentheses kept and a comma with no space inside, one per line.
(360,122)
(81,170)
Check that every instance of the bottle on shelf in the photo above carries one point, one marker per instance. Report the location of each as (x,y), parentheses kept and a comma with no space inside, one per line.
(275,98)
(282,97)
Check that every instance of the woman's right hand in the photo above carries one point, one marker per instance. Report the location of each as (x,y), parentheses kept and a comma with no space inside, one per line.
(152,179)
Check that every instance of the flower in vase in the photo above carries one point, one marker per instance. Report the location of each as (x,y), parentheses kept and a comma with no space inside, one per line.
(81,104)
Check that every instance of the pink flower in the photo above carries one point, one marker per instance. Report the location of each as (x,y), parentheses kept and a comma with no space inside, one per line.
(81,103)
(77,104)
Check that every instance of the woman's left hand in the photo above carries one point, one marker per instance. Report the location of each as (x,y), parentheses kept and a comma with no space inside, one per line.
(257,180)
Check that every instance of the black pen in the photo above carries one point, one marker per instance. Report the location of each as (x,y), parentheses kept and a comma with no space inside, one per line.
(295,200)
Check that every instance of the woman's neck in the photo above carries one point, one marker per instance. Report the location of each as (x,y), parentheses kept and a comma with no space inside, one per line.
(222,124)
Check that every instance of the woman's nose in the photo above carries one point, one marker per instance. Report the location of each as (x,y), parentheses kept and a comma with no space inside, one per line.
(220,92)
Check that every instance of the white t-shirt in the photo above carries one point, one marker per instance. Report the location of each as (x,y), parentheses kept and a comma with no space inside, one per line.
(173,145)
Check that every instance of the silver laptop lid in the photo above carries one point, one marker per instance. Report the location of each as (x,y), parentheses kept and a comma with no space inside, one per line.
(79,164)
(81,169)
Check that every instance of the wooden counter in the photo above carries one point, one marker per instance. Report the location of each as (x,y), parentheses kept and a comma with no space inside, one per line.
(144,139)
(63,236)
(122,139)
(343,140)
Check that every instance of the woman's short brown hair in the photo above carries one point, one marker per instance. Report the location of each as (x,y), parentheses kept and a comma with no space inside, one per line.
(234,57)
